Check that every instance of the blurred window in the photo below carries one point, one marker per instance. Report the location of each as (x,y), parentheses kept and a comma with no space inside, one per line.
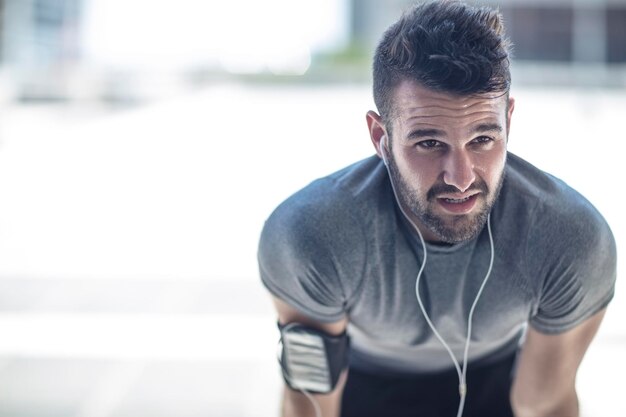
(616,33)
(540,32)
(49,13)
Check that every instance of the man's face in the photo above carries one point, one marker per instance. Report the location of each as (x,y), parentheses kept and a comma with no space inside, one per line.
(446,158)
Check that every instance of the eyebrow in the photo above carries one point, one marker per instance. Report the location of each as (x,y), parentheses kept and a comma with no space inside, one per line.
(429,133)
(425,133)
(487,127)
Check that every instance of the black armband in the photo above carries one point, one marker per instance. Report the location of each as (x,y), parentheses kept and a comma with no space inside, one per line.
(312,360)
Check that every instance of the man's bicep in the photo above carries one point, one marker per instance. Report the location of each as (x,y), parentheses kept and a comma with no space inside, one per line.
(295,404)
(548,363)
(556,354)
(289,314)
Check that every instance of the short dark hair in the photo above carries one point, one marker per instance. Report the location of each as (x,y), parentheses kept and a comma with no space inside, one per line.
(448,46)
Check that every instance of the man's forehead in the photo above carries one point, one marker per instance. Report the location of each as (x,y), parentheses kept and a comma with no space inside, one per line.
(411,98)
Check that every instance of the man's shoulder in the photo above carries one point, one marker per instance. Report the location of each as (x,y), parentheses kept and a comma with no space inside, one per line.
(539,201)
(344,190)
(338,204)
(543,190)
(529,182)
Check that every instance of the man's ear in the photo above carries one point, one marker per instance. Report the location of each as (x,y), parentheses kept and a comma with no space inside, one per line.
(511,107)
(377,130)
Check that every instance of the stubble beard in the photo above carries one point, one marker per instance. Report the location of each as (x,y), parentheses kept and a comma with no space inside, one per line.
(451,229)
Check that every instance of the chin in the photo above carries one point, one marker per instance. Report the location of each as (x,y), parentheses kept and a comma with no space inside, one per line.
(457,229)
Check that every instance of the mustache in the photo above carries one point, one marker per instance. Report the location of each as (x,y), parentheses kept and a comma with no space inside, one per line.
(442,188)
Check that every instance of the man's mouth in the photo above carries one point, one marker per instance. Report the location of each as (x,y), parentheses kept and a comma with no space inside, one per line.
(458,206)
(457,200)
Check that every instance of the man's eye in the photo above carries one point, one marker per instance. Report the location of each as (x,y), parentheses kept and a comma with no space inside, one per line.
(483,139)
(431,143)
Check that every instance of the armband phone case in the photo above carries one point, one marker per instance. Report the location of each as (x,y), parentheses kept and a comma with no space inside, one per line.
(312,360)
(304,357)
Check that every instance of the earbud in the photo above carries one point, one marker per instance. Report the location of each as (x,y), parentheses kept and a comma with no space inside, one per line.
(383,149)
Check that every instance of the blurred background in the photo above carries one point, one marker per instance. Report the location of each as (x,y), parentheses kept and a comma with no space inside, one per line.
(144,142)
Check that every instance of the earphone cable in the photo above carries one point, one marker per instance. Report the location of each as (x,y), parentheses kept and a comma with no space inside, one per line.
(460,372)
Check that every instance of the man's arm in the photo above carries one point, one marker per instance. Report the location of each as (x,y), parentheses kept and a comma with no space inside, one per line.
(296,404)
(546,372)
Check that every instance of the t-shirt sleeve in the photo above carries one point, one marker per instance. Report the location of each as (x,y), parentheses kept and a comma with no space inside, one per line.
(304,259)
(576,266)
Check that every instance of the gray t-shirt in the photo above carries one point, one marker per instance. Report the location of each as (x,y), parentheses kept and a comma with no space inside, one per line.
(340,247)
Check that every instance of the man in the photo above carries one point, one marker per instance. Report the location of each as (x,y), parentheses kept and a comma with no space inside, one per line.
(467,281)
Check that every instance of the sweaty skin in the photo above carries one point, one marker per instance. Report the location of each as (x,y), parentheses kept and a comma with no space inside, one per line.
(446,157)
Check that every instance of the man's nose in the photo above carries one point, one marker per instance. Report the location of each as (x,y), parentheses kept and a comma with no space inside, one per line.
(458,170)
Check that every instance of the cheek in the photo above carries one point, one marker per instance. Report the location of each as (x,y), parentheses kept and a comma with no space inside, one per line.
(491,165)
(419,173)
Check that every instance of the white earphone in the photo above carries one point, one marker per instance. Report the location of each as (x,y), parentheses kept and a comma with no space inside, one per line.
(383,149)
(460,368)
